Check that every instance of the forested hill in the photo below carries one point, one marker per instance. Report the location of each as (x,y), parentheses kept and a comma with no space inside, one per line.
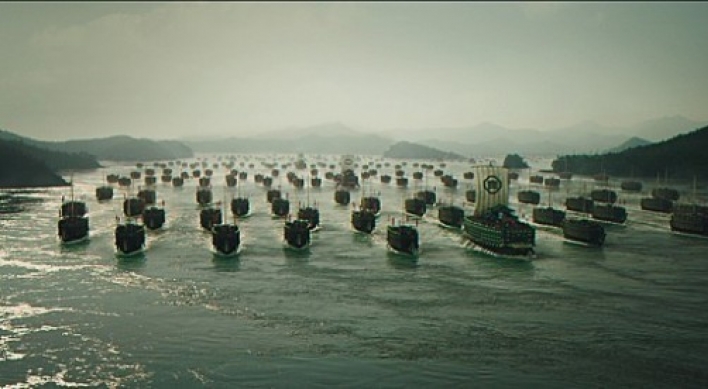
(24,166)
(683,156)
(125,148)
(54,160)
(415,151)
(115,148)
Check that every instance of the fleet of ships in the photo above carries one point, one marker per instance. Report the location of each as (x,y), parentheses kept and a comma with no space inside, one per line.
(492,226)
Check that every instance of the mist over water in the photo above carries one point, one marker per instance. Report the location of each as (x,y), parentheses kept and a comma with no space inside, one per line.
(346,312)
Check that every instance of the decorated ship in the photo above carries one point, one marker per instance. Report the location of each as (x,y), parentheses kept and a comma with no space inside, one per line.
(493,225)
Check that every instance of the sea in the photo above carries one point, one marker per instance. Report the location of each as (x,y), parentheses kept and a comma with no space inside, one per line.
(347,312)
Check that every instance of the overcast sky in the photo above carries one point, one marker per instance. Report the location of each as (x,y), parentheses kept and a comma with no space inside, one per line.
(167,70)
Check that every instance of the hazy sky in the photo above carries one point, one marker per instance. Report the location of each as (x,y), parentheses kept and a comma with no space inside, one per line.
(167,70)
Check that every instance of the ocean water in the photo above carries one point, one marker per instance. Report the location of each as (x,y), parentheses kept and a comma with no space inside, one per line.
(347,312)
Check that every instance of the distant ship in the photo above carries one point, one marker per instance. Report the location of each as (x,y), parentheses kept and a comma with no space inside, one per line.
(604,196)
(656,204)
(130,237)
(528,197)
(73,224)
(451,216)
(133,206)
(415,206)
(609,213)
(226,239)
(342,197)
(240,207)
(548,215)
(204,196)
(493,225)
(104,193)
(280,207)
(428,196)
(154,216)
(579,204)
(372,204)
(348,179)
(690,218)
(297,234)
(311,215)
(209,217)
(585,231)
(363,220)
(403,238)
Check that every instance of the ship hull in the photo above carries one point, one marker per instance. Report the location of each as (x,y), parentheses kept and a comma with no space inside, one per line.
(226,239)
(548,216)
(689,223)
(609,213)
(403,240)
(451,216)
(584,231)
(297,234)
(130,239)
(500,239)
(73,230)
(363,221)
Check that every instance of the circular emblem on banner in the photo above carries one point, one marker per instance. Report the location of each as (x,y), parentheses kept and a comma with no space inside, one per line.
(492,184)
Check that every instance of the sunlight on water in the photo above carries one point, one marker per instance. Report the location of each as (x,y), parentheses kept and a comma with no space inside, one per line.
(346,308)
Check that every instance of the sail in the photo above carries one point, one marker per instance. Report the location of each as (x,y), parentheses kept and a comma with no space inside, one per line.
(347,162)
(492,183)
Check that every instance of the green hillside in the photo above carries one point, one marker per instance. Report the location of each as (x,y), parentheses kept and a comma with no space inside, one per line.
(23,166)
(682,156)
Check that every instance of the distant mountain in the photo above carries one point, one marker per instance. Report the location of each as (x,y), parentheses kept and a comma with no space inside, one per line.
(628,144)
(23,166)
(115,148)
(664,128)
(322,129)
(416,151)
(682,156)
(320,139)
(584,137)
(125,148)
